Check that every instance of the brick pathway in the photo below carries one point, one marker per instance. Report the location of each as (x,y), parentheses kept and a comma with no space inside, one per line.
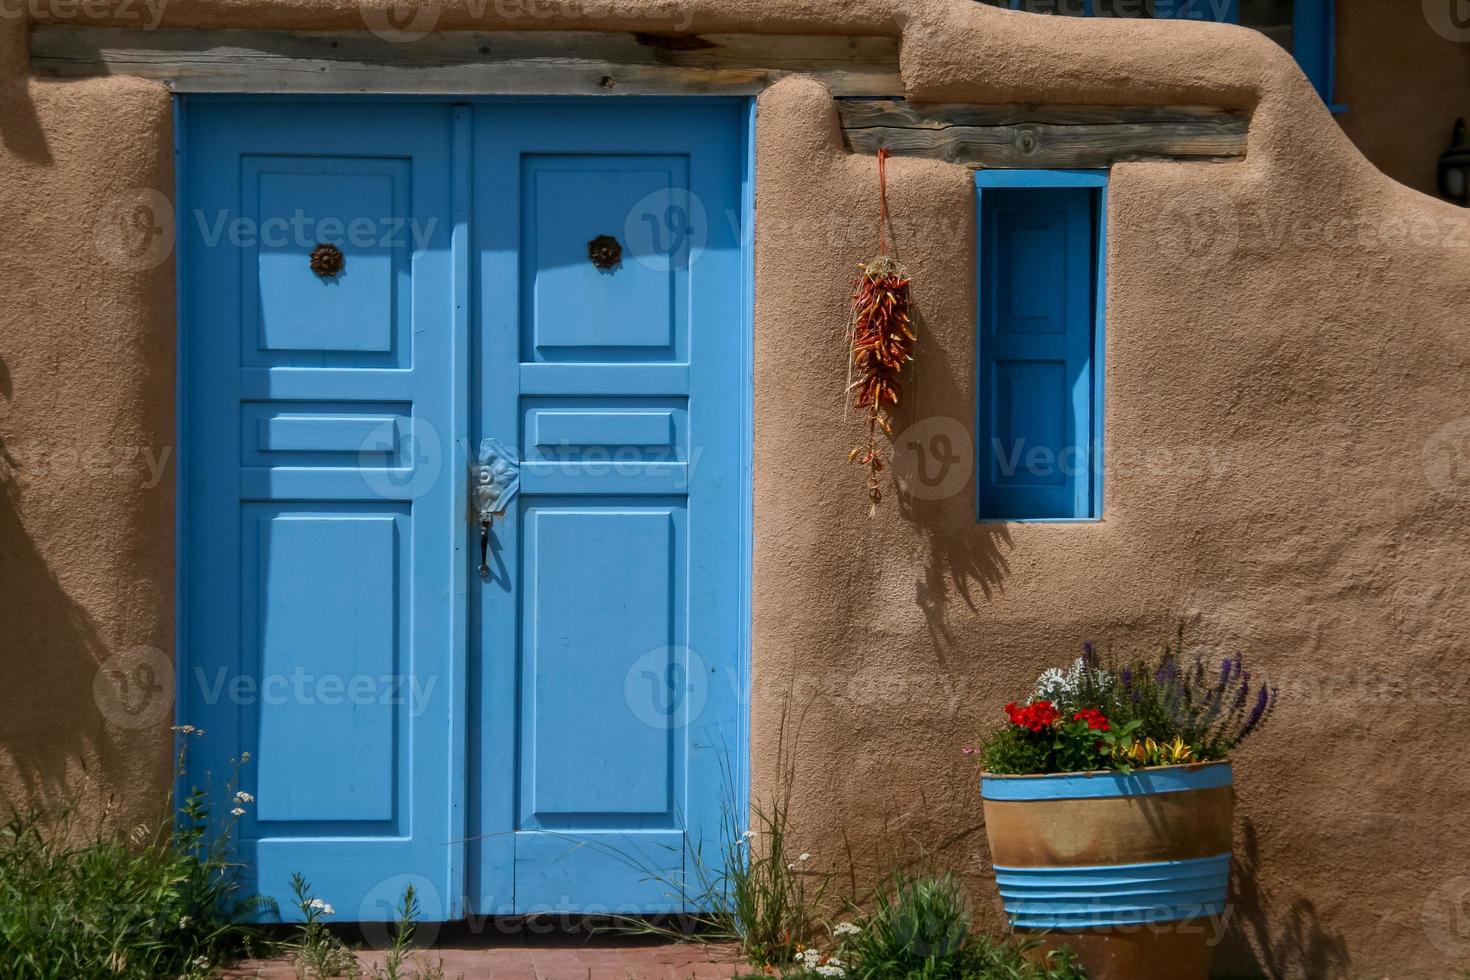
(559,957)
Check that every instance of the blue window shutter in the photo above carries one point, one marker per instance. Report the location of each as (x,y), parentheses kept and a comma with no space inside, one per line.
(1314,42)
(1035,306)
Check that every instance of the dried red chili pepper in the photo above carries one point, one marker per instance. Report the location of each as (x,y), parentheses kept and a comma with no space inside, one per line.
(880,340)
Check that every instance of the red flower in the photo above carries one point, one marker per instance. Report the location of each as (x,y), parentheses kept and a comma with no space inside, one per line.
(1096,720)
(1036,716)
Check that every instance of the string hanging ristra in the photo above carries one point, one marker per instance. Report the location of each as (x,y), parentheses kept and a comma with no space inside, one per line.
(880,340)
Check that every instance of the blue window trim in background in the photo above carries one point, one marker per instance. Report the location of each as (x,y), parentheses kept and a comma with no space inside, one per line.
(1096,180)
(1314,33)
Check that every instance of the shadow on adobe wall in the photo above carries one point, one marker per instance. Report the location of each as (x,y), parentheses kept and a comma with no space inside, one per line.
(1272,942)
(966,560)
(49,719)
(20,129)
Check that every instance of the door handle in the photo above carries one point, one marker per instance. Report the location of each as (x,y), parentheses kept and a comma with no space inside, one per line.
(496,482)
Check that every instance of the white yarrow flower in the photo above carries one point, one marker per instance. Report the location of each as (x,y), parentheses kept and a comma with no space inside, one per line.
(748,834)
(238,812)
(830,970)
(804,856)
(846,929)
(1050,680)
(322,907)
(244,797)
(811,957)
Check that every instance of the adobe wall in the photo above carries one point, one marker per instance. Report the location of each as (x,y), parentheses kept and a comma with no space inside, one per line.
(1287,356)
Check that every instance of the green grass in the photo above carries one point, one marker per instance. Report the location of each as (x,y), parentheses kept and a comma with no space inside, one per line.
(919,928)
(78,903)
(114,908)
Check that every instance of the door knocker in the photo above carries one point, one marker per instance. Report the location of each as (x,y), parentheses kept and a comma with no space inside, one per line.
(605,252)
(327,260)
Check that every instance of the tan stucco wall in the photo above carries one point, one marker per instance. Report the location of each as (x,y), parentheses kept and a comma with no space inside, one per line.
(1286,339)
(1404,79)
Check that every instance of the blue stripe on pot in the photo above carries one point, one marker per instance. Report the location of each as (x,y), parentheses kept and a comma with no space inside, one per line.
(1111,895)
(1140,782)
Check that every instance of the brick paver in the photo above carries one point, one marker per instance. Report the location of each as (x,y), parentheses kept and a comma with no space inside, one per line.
(560,957)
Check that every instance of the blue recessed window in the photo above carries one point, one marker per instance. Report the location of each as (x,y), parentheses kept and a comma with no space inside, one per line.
(1039,351)
(1303,27)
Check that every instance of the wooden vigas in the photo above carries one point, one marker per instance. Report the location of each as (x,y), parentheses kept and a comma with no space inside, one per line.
(1130,871)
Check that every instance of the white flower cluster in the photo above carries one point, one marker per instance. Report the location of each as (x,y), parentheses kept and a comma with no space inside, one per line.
(823,966)
(321,907)
(1058,687)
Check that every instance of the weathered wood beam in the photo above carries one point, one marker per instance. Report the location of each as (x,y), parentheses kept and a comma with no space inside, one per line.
(1090,136)
(467,62)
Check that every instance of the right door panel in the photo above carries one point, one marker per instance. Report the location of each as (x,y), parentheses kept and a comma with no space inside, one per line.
(606,663)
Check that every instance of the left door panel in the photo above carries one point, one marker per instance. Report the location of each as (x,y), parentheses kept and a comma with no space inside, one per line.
(321,575)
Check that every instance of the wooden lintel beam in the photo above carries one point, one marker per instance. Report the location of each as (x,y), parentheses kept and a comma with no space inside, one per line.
(467,62)
(1034,136)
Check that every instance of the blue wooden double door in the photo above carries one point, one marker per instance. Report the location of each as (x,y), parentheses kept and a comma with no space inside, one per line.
(377,299)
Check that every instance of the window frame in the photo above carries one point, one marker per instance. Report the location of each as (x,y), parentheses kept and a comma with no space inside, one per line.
(1097,181)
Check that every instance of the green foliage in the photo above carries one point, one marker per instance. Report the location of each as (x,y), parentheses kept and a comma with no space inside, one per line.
(1012,752)
(396,965)
(319,954)
(919,929)
(765,896)
(762,893)
(165,902)
(770,899)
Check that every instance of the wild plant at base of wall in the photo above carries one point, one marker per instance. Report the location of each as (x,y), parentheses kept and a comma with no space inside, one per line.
(880,338)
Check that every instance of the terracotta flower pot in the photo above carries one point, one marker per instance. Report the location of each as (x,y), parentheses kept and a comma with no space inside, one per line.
(1129,871)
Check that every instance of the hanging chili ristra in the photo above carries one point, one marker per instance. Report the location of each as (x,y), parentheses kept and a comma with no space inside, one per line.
(880,339)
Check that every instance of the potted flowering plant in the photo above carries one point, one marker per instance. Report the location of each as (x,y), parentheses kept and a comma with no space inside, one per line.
(1108,797)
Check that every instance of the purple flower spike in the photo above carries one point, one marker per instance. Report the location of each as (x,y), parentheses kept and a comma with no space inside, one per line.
(1257,713)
